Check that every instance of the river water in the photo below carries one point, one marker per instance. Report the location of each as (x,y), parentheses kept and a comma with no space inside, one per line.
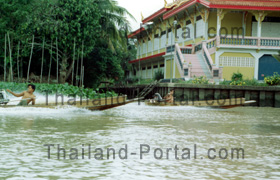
(153,132)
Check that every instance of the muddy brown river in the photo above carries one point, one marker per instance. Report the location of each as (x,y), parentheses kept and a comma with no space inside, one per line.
(140,142)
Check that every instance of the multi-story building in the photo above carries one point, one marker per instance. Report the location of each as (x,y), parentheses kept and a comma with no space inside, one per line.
(212,38)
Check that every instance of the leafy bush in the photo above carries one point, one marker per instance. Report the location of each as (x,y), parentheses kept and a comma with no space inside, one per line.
(237,76)
(159,75)
(200,80)
(253,82)
(237,83)
(273,80)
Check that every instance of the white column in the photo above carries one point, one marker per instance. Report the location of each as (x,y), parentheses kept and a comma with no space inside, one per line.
(159,41)
(147,47)
(164,68)
(206,26)
(152,69)
(153,43)
(218,25)
(174,65)
(257,59)
(217,58)
(243,23)
(259,27)
(194,32)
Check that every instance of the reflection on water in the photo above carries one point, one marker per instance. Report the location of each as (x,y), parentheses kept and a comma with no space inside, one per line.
(24,131)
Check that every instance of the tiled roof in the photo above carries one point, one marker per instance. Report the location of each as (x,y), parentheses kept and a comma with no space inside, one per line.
(260,3)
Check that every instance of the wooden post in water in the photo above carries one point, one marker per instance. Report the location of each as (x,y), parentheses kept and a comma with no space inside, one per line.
(5,58)
(18,59)
(73,70)
(30,58)
(56,61)
(50,65)
(42,63)
(11,61)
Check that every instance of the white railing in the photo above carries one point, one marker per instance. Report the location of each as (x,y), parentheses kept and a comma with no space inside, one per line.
(186,50)
(214,70)
(212,43)
(251,42)
(179,60)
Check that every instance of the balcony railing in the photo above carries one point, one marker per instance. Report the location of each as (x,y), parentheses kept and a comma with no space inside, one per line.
(270,42)
(170,49)
(198,47)
(252,42)
(186,50)
(239,41)
(211,43)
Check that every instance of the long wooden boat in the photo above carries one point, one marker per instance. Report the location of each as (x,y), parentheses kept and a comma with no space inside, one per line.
(93,104)
(222,103)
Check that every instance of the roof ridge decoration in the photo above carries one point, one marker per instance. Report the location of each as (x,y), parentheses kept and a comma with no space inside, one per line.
(175,3)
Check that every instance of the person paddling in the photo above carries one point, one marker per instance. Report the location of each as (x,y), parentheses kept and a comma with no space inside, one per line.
(27,96)
(168,98)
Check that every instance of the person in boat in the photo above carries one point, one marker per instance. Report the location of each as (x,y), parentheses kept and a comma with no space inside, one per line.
(168,98)
(27,96)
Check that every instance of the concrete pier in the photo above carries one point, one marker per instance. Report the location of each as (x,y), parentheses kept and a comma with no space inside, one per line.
(265,96)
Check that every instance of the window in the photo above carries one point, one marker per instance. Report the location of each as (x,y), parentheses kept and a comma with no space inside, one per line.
(188,22)
(178,26)
(149,67)
(155,67)
(163,33)
(216,73)
(143,68)
(162,65)
(227,61)
(156,35)
(198,18)
(186,72)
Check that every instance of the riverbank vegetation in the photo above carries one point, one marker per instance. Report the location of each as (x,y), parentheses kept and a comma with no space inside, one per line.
(58,41)
(64,89)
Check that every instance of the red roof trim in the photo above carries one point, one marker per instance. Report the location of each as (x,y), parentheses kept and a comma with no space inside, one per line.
(156,14)
(146,58)
(175,11)
(135,32)
(204,2)
(245,7)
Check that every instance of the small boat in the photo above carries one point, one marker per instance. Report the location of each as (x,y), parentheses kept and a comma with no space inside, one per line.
(221,103)
(93,104)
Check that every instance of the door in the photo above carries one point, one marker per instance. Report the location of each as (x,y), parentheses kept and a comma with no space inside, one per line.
(267,66)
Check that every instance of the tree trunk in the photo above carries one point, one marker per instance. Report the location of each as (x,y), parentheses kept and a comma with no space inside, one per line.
(56,61)
(42,63)
(82,62)
(77,70)
(5,58)
(50,65)
(11,77)
(18,60)
(30,59)
(63,69)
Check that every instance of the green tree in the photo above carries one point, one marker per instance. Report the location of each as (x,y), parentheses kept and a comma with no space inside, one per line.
(115,25)
(68,21)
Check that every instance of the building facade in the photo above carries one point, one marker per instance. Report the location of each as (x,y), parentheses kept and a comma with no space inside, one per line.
(212,38)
